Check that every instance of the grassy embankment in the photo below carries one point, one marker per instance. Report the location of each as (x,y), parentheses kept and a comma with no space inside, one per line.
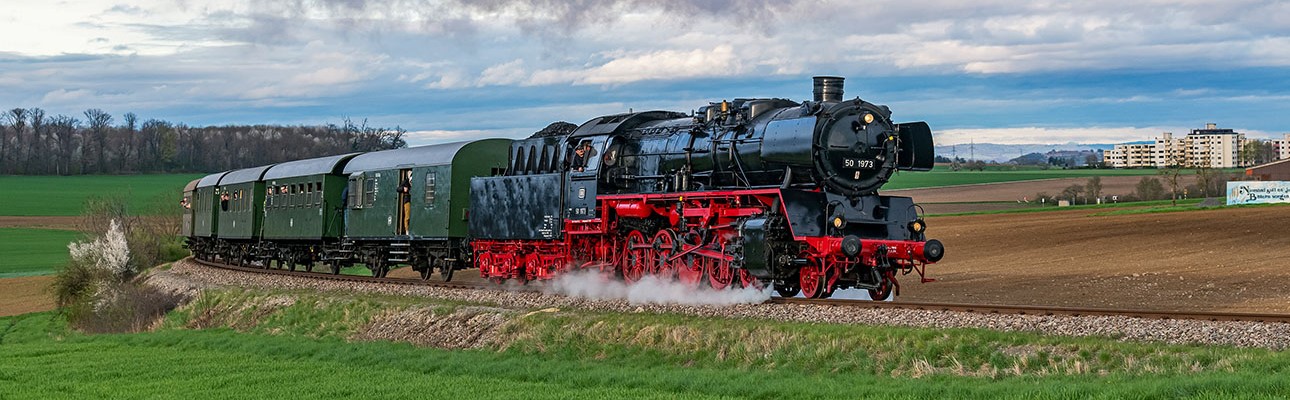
(255,344)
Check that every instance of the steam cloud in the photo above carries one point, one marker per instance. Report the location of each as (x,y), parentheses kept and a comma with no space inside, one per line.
(650,290)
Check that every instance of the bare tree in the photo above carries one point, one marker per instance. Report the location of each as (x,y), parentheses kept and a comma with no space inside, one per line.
(64,130)
(1094,188)
(12,154)
(126,146)
(99,122)
(39,159)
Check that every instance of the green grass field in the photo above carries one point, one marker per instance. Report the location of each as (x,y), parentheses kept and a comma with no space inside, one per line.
(65,195)
(27,252)
(303,349)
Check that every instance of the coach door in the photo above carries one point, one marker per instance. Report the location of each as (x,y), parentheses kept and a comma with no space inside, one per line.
(404,202)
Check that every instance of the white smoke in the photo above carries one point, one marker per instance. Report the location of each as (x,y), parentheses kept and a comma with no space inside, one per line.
(594,285)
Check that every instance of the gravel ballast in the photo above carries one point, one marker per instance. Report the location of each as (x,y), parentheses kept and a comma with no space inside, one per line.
(190,277)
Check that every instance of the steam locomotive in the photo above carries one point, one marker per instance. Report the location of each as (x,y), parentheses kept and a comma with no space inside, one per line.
(740,193)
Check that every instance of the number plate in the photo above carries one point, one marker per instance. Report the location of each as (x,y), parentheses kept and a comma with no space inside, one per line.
(857,163)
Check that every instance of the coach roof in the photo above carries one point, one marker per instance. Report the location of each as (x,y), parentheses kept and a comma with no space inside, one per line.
(244,175)
(422,156)
(211,180)
(312,166)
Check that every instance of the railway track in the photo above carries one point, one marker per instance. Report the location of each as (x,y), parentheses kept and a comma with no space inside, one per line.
(926,306)
(1043,310)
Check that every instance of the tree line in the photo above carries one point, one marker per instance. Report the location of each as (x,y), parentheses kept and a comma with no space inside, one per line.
(95,142)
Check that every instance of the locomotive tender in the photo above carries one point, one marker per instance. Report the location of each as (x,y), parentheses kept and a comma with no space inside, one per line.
(740,193)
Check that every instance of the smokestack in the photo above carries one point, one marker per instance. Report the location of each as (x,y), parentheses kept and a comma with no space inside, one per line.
(828,88)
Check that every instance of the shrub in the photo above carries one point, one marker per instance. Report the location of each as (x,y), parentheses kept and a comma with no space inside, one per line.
(98,291)
(128,307)
(1150,188)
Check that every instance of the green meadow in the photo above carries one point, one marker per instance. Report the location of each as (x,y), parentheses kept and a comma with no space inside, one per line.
(65,195)
(26,252)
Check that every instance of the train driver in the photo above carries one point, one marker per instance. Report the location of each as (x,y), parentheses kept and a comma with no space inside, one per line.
(581,154)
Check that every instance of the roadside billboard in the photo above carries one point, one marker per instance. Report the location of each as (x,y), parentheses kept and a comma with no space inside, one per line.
(1258,192)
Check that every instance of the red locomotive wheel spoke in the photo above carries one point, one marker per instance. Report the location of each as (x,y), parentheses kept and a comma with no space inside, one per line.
(665,247)
(812,280)
(635,257)
(719,274)
(884,287)
(690,271)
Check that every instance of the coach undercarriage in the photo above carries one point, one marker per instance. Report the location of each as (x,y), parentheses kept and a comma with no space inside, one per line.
(426,256)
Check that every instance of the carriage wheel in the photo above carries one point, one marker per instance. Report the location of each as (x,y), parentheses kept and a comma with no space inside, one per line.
(376,266)
(335,267)
(812,280)
(309,265)
(720,275)
(427,270)
(636,254)
(884,288)
(664,247)
(690,271)
(497,280)
(446,270)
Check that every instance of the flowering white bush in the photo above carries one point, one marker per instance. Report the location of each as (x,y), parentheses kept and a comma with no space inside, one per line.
(109,252)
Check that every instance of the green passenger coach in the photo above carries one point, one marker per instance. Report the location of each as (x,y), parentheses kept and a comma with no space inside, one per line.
(304,210)
(410,206)
(190,195)
(303,199)
(241,211)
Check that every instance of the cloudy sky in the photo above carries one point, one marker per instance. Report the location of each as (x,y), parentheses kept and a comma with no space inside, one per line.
(984,71)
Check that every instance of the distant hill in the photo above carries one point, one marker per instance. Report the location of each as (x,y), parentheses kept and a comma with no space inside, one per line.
(1005,152)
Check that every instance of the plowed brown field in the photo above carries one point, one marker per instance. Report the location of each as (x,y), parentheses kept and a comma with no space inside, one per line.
(24,295)
(966,198)
(1234,259)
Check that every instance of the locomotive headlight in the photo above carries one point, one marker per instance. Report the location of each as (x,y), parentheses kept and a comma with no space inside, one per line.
(918,226)
(868,118)
(838,222)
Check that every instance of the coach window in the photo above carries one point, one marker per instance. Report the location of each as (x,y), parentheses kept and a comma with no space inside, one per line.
(318,198)
(354,192)
(430,183)
(369,191)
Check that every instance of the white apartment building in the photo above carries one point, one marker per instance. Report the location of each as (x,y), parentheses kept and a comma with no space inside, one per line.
(1131,156)
(1283,147)
(1214,147)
